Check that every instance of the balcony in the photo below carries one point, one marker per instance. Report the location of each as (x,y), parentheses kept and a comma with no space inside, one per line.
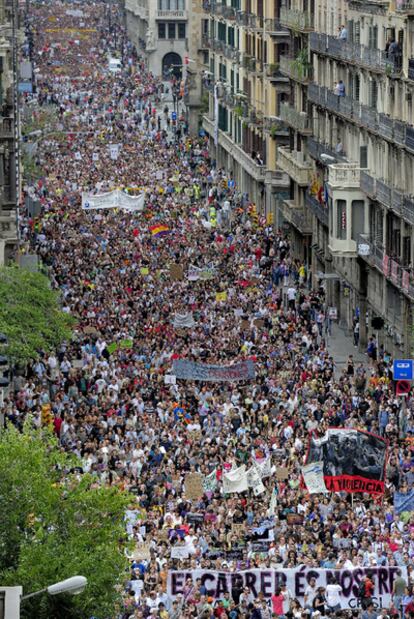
(296,20)
(344,175)
(316,149)
(275,127)
(295,119)
(408,209)
(166,15)
(276,76)
(364,115)
(373,59)
(368,183)
(297,216)
(256,171)
(383,193)
(222,10)
(295,164)
(319,210)
(405,6)
(242,18)
(293,68)
(275,29)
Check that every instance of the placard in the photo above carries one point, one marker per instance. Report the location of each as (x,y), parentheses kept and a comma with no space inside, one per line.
(194,486)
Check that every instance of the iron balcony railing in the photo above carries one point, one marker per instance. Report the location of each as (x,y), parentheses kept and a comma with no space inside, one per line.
(354,53)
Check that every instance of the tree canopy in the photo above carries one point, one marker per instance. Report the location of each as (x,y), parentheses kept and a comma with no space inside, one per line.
(30,314)
(55,524)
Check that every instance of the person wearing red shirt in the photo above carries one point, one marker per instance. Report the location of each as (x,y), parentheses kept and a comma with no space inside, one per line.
(277,603)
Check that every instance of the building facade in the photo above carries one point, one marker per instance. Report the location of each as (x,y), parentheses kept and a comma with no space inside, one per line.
(320,92)
(9,132)
(170,33)
(247,89)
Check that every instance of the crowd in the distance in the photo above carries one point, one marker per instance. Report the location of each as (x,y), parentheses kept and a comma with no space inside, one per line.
(112,405)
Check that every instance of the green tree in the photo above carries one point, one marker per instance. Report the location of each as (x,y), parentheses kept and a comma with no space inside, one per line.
(55,524)
(30,314)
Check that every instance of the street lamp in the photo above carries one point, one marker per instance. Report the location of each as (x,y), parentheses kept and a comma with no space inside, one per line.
(73,585)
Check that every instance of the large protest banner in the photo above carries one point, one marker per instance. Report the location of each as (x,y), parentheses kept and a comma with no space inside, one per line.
(190,370)
(113,199)
(266,581)
(353,461)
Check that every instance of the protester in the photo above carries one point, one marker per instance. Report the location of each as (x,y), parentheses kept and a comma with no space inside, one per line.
(197,276)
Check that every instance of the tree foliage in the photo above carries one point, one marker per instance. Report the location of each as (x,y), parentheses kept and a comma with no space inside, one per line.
(30,314)
(56,524)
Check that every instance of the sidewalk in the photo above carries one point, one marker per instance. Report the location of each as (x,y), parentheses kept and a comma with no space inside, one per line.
(340,345)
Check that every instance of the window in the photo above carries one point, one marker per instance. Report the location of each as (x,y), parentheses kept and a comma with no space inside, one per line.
(221,33)
(373,94)
(204,24)
(161,31)
(341,219)
(181,31)
(357,218)
(363,156)
(230,36)
(171,31)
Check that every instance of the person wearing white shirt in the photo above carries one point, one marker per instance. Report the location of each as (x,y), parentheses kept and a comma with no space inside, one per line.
(332,593)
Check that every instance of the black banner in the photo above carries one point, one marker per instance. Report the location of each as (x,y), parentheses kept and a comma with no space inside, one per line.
(353,461)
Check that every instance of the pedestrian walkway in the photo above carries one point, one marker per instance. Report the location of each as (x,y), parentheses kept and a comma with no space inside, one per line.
(340,346)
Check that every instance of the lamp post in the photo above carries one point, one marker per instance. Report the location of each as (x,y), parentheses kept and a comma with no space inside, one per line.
(73,585)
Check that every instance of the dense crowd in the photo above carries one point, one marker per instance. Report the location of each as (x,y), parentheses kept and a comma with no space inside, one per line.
(110,392)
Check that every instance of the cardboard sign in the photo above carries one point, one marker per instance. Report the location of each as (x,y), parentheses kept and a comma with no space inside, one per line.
(238,529)
(194,486)
(141,552)
(176,272)
(282,473)
(179,552)
(294,519)
(259,323)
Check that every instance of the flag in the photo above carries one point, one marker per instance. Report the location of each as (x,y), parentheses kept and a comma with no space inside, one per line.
(221,296)
(144,271)
(159,230)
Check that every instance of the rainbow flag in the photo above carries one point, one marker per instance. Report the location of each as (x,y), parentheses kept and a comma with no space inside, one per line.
(159,230)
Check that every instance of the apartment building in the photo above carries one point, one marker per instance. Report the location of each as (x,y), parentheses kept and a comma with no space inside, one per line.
(9,132)
(350,157)
(170,33)
(245,40)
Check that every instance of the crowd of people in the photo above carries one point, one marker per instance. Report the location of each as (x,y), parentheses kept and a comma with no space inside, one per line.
(241,296)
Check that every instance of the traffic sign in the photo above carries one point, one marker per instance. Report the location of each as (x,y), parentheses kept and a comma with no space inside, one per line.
(403,369)
(173,115)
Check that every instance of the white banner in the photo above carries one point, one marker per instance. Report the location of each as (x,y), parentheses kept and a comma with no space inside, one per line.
(235,481)
(313,478)
(264,468)
(210,482)
(179,552)
(113,199)
(114,151)
(255,481)
(267,581)
(183,320)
